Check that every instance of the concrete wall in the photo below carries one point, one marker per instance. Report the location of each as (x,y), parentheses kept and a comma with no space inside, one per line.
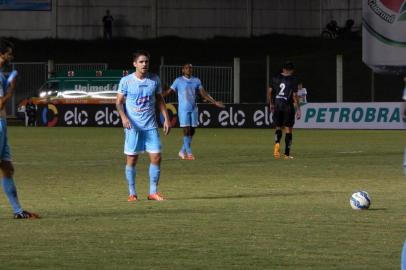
(143,19)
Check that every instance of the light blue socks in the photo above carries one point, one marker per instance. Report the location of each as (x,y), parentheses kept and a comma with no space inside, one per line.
(154,173)
(11,192)
(130,173)
(187,141)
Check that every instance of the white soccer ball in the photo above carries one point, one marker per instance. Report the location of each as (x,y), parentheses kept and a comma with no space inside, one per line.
(360,200)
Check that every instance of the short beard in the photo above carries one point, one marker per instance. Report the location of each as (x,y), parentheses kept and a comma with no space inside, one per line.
(7,66)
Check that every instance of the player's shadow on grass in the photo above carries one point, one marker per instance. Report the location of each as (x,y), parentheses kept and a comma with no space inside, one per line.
(254,195)
(121,214)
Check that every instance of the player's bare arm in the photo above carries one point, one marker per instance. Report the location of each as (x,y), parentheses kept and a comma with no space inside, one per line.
(120,108)
(209,98)
(269,99)
(296,103)
(162,108)
(167,92)
(9,93)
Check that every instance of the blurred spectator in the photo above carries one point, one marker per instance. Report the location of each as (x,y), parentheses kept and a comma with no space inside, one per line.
(301,93)
(333,26)
(348,26)
(333,30)
(107,25)
(30,113)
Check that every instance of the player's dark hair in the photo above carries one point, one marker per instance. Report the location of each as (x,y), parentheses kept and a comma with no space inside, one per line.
(5,45)
(288,65)
(140,53)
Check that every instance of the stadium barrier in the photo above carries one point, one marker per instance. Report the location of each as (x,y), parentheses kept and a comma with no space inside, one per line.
(385,115)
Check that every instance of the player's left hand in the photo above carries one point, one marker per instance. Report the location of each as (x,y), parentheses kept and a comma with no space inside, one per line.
(219,104)
(298,114)
(166,127)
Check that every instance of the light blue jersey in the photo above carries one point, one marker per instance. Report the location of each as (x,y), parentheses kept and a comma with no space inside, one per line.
(3,83)
(140,100)
(187,90)
(5,153)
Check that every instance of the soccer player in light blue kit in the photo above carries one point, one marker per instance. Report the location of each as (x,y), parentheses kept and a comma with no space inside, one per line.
(141,93)
(187,87)
(404,117)
(7,86)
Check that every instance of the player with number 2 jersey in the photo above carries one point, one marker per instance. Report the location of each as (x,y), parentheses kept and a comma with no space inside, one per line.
(284,104)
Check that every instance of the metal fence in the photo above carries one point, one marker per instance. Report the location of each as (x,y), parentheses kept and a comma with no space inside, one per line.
(30,77)
(218,81)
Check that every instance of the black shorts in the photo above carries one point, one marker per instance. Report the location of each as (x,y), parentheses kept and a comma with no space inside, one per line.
(284,115)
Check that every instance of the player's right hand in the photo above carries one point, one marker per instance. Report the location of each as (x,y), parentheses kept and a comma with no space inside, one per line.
(220,104)
(166,127)
(271,108)
(126,123)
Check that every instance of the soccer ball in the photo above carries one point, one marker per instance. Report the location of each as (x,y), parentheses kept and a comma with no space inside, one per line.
(360,200)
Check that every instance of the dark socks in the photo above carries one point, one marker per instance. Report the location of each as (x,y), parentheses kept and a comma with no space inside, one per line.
(288,143)
(278,135)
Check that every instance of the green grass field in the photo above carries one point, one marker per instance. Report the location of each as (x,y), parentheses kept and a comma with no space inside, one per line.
(235,207)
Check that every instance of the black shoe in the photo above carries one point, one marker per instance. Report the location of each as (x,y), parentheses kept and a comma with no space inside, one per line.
(26,215)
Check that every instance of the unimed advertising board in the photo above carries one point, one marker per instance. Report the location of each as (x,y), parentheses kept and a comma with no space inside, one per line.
(386,115)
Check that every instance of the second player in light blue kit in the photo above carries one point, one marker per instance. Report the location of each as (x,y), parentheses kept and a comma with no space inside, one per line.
(7,87)
(141,93)
(187,88)
(404,117)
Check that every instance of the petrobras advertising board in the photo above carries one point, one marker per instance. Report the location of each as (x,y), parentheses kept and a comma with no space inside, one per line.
(384,115)
(384,35)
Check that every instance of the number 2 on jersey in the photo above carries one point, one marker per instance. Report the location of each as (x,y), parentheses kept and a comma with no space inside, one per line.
(282,87)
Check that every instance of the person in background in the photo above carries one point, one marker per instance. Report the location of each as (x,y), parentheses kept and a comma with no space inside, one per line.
(30,113)
(301,94)
(7,86)
(107,25)
(187,88)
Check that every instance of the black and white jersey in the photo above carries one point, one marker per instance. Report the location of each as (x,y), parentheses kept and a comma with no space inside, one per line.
(283,88)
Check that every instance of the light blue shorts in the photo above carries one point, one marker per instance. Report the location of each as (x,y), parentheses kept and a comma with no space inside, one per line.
(5,153)
(139,141)
(188,119)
